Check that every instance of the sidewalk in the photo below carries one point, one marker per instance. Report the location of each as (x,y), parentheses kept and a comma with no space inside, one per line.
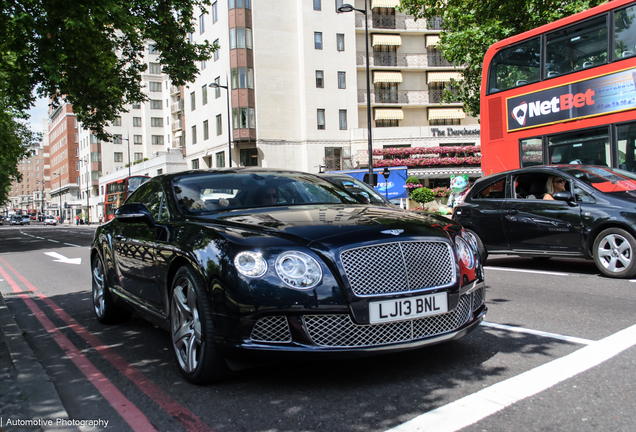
(28,399)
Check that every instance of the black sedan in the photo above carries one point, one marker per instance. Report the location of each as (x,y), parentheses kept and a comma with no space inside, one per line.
(592,214)
(253,264)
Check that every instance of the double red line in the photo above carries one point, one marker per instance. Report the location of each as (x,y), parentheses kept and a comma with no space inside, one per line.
(128,411)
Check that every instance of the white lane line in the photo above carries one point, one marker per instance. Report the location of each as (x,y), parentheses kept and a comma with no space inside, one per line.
(41,238)
(71,244)
(473,408)
(54,241)
(538,333)
(527,271)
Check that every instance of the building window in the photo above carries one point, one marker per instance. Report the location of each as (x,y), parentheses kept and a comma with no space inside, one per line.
(195,163)
(445,122)
(239,4)
(215,13)
(156,121)
(339,3)
(117,139)
(194,134)
(206,131)
(160,171)
(320,80)
(204,94)
(242,78)
(342,80)
(387,123)
(204,64)
(137,139)
(118,157)
(216,52)
(138,157)
(136,106)
(240,37)
(249,157)
(193,101)
(152,49)
(117,121)
(156,139)
(220,159)
(155,104)
(154,86)
(219,125)
(317,5)
(321,119)
(318,40)
(154,68)
(201,23)
(340,41)
(217,90)
(342,119)
(136,121)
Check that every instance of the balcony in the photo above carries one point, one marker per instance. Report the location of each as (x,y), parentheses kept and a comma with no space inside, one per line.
(390,59)
(402,97)
(177,106)
(391,22)
(176,125)
(435,58)
(174,90)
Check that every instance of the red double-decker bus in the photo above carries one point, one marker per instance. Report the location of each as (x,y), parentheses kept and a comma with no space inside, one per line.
(117,192)
(563,93)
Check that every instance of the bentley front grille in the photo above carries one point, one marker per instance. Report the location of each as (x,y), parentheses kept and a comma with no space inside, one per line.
(479,297)
(271,329)
(398,267)
(340,331)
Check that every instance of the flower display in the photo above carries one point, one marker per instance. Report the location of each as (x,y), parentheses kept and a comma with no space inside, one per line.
(441,161)
(392,153)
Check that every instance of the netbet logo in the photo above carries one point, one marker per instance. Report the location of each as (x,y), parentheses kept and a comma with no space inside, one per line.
(554,105)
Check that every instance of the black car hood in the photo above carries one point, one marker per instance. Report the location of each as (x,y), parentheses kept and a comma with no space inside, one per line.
(319,223)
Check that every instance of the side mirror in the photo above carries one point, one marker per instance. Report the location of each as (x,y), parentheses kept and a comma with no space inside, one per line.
(564,196)
(134,213)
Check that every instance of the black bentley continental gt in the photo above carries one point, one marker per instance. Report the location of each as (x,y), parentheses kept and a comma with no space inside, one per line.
(253,264)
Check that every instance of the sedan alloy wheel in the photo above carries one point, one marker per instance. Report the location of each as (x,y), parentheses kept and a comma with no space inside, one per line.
(614,253)
(105,308)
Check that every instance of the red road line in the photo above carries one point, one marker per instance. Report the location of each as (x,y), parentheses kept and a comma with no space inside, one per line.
(128,411)
(183,415)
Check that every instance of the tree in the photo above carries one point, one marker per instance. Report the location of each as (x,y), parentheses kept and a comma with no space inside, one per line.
(470,27)
(15,140)
(91,52)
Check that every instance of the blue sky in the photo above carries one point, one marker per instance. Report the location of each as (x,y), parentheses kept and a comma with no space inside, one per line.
(39,112)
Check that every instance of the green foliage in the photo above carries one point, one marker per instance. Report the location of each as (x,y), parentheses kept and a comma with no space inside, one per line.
(91,52)
(412,179)
(422,195)
(470,27)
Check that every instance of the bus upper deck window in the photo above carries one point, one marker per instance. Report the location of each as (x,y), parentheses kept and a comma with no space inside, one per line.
(576,47)
(515,66)
(625,32)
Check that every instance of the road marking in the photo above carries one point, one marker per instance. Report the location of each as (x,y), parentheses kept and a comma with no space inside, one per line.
(54,241)
(527,271)
(61,258)
(71,244)
(473,408)
(538,333)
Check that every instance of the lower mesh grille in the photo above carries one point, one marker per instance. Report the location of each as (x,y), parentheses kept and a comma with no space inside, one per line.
(340,331)
(478,298)
(271,329)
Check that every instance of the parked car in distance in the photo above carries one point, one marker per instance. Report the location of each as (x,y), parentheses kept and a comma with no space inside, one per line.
(359,189)
(252,264)
(593,217)
(26,220)
(16,220)
(50,220)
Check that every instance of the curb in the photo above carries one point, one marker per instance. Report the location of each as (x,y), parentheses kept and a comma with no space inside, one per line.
(41,395)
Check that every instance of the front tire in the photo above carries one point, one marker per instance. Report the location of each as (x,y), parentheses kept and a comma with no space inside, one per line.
(192,330)
(481,249)
(614,250)
(106,311)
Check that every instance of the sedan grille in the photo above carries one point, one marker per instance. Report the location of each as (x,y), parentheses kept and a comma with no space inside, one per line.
(271,329)
(340,331)
(398,267)
(478,298)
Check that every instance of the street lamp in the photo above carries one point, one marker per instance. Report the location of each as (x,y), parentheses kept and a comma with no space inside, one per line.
(60,177)
(128,142)
(88,206)
(348,8)
(229,130)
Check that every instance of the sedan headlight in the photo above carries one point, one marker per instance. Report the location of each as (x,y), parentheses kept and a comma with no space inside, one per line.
(250,264)
(465,252)
(298,270)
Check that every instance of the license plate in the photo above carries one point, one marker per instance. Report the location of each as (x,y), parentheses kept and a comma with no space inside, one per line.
(404,309)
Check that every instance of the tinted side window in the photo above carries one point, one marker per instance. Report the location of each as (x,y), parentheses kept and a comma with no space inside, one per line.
(625,32)
(494,190)
(515,66)
(151,195)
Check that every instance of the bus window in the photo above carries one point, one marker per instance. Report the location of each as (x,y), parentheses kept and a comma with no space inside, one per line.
(625,32)
(627,146)
(515,66)
(577,47)
(586,147)
(531,152)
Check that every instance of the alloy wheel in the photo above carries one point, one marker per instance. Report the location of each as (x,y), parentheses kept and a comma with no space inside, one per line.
(186,325)
(98,288)
(615,253)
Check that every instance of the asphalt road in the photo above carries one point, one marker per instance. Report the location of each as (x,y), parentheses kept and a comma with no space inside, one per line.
(553,355)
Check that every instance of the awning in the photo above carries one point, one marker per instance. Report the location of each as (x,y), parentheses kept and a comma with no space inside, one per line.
(444,173)
(436,77)
(389,114)
(385,3)
(445,113)
(432,41)
(390,40)
(387,77)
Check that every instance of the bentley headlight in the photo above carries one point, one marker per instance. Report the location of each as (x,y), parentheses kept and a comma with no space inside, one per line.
(465,252)
(298,270)
(250,264)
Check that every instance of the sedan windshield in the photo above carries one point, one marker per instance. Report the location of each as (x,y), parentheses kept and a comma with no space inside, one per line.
(604,179)
(219,191)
